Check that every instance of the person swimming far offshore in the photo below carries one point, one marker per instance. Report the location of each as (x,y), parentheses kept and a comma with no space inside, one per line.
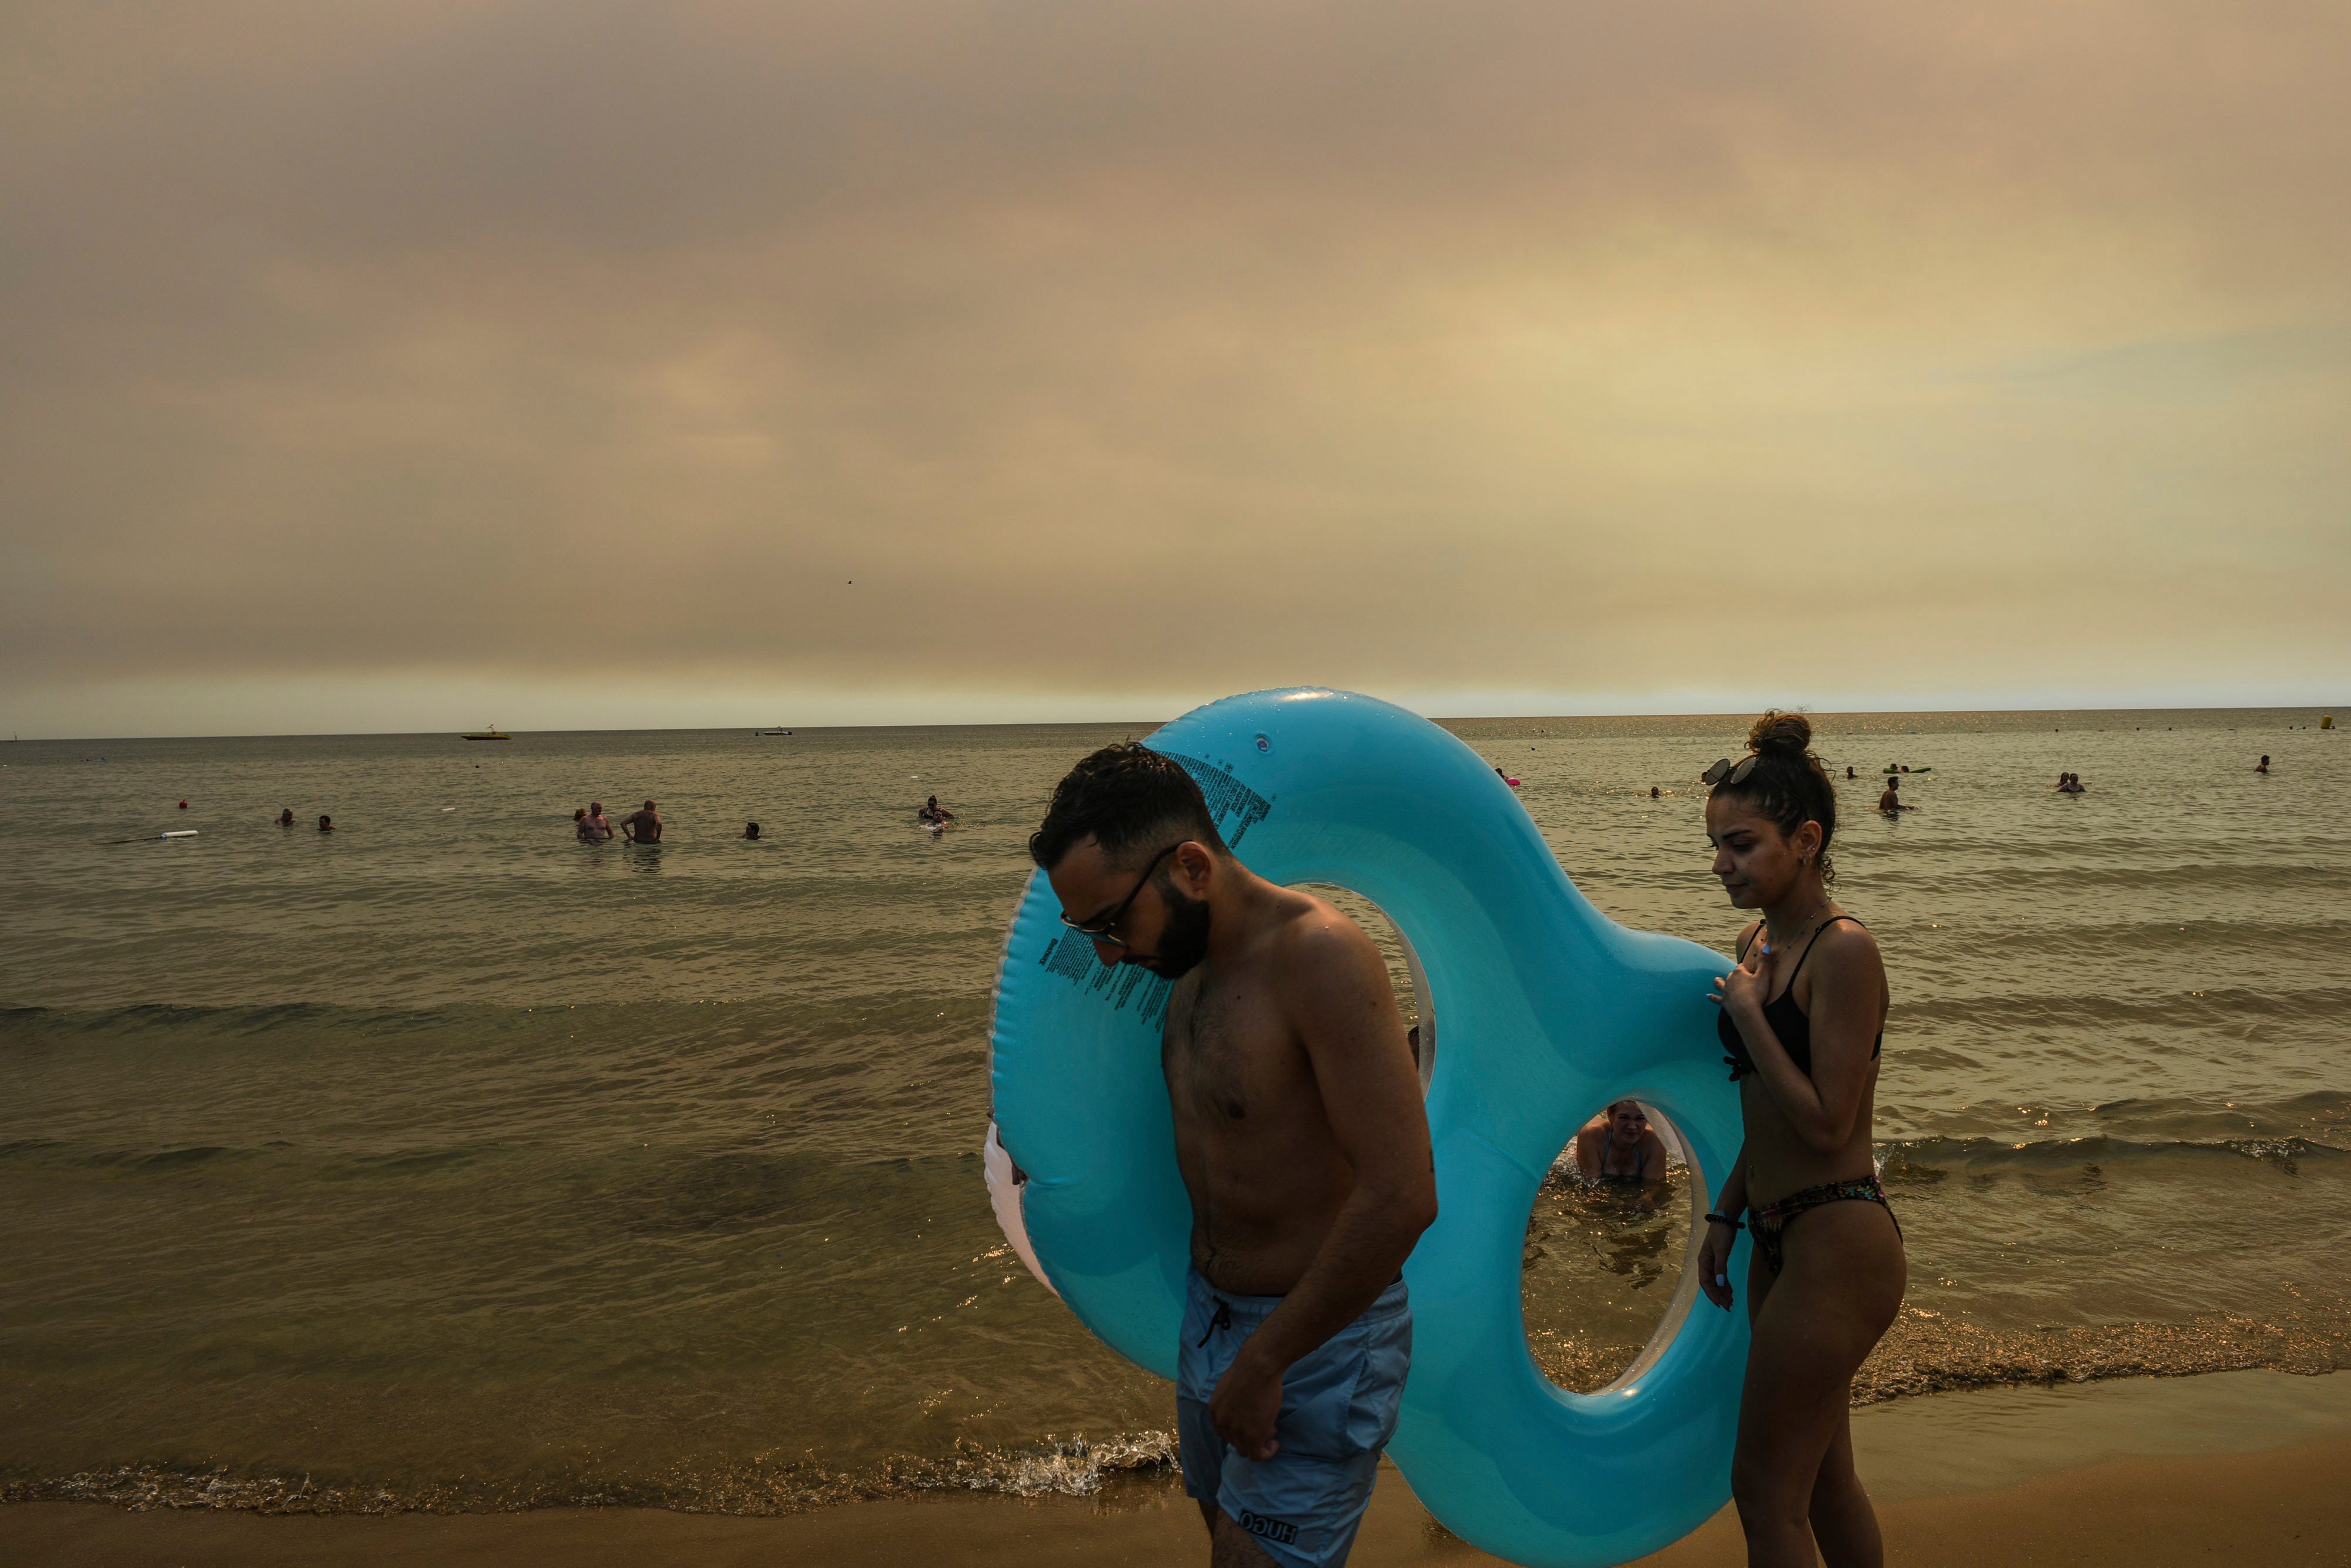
(1300,1142)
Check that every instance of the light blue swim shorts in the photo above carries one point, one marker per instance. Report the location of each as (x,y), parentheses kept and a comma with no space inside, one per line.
(1338,1411)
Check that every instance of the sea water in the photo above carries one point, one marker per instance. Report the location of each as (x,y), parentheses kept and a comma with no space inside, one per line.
(443,1161)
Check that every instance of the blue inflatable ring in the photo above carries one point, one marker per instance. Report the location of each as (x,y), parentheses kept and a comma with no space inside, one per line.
(1548,1012)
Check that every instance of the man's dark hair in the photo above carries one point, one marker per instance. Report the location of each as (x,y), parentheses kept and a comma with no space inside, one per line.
(1131,800)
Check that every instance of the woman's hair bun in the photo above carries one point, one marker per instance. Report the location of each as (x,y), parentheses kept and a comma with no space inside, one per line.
(1781,734)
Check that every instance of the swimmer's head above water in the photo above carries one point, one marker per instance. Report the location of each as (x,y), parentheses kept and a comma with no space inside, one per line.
(1134,857)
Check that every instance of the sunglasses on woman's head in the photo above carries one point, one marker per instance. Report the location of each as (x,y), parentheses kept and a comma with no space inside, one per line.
(1728,772)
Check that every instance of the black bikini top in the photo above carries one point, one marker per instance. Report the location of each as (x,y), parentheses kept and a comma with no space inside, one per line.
(1787,1019)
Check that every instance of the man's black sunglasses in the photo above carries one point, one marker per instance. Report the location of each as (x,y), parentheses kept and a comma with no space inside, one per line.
(1100,930)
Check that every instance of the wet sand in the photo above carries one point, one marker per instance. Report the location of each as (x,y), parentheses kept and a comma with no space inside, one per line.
(2245,1468)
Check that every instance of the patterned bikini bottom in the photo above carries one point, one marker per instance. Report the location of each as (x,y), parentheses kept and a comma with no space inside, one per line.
(1769,1225)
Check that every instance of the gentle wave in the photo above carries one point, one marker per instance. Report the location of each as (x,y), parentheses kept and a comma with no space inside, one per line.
(2005,1014)
(1074,1466)
(1913,1158)
(1921,1354)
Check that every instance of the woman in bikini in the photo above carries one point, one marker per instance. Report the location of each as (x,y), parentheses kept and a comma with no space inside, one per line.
(1804,1013)
(1618,1145)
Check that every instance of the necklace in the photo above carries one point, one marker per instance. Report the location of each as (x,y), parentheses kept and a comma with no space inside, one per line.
(1817,911)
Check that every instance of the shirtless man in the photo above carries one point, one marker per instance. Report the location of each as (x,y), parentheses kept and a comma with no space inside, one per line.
(642,827)
(595,826)
(1618,1145)
(1299,1137)
(1891,801)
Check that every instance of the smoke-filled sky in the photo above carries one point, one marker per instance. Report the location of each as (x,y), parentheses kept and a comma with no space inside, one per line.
(412,366)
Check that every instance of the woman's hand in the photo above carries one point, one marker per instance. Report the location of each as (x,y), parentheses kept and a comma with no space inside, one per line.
(1740,993)
(1714,1263)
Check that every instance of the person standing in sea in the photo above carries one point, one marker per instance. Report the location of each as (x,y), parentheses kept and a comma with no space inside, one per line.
(1803,1016)
(1299,1137)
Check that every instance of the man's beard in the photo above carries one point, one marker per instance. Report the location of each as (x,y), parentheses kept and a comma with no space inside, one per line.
(1184,940)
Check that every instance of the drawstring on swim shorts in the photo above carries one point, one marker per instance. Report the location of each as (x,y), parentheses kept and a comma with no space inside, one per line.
(1223,1319)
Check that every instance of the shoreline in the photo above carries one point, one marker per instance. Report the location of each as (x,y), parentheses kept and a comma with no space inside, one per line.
(2279,1508)
(2148,1471)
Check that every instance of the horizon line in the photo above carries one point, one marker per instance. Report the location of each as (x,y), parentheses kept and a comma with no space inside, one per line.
(1741,715)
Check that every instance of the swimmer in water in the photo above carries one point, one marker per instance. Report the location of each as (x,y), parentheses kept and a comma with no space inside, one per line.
(1848,770)
(751,832)
(595,828)
(643,827)
(285,818)
(1652,791)
(1891,801)
(2264,766)
(1619,1146)
(325,824)
(1804,1013)
(931,814)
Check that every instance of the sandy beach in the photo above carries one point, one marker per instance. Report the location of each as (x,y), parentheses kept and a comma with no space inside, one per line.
(2246,1468)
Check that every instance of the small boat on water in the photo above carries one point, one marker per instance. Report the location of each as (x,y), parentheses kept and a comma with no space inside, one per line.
(775,731)
(493,733)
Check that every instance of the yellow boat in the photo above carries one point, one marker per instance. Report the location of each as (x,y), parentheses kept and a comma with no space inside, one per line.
(493,733)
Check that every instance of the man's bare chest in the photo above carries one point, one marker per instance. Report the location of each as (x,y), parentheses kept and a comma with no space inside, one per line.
(1229,1054)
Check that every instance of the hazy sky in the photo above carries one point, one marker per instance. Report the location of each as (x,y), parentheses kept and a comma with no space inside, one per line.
(418,365)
